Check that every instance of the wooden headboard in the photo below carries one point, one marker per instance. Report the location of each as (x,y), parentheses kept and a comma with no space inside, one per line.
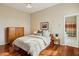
(12,33)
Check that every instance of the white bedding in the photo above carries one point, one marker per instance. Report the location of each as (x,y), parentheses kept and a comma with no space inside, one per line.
(33,44)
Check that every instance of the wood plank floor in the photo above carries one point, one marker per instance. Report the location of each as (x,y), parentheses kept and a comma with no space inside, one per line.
(9,50)
(51,50)
(60,50)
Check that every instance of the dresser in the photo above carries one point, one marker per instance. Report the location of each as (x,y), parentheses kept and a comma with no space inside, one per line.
(11,33)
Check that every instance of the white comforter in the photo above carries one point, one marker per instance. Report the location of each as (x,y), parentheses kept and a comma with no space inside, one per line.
(33,44)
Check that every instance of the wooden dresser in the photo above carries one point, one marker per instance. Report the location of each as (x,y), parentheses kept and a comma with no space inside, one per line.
(11,33)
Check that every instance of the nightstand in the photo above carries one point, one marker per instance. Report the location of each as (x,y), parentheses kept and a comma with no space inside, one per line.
(56,40)
(52,39)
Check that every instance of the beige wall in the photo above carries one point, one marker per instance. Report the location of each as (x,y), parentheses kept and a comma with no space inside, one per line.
(10,17)
(55,17)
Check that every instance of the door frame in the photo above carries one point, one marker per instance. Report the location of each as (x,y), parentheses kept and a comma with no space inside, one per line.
(74,14)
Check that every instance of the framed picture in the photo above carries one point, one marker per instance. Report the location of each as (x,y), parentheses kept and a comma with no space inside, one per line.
(44,25)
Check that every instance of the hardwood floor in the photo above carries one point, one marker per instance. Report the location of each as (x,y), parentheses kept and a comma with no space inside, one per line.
(51,50)
(60,50)
(9,50)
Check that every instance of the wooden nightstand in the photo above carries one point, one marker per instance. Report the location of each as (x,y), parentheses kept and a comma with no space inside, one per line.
(52,39)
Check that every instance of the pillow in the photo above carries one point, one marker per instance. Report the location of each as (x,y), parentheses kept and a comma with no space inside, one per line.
(40,33)
(46,33)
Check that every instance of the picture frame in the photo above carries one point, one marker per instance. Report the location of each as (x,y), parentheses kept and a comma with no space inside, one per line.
(44,25)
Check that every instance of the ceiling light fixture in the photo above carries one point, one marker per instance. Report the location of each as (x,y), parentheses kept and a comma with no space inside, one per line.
(29,5)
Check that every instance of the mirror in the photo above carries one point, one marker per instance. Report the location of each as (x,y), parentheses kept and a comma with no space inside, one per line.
(70,26)
(71,30)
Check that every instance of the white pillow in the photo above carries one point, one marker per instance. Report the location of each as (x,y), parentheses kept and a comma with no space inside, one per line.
(40,33)
(46,33)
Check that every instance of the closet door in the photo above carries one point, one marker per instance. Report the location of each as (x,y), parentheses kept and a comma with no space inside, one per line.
(19,31)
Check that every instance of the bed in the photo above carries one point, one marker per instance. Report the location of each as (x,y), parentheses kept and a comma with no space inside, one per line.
(33,44)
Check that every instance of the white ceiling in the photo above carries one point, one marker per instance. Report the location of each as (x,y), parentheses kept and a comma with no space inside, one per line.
(36,6)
